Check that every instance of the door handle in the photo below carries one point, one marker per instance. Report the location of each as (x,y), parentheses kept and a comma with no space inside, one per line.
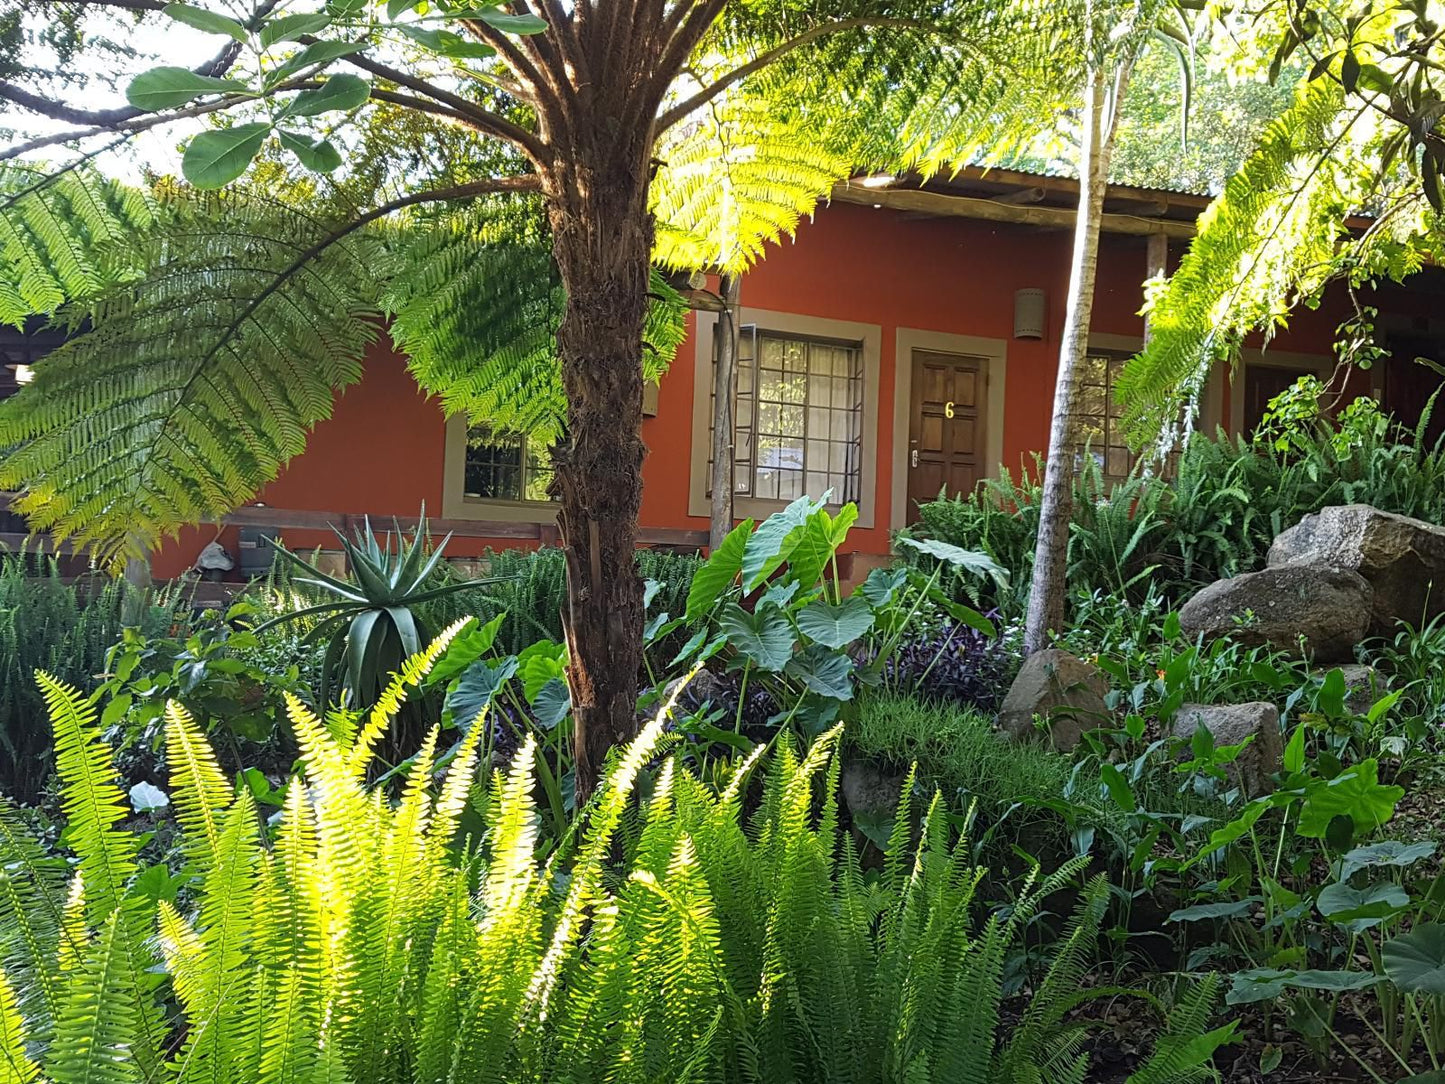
(914,457)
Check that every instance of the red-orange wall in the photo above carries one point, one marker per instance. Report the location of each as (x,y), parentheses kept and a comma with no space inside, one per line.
(381,452)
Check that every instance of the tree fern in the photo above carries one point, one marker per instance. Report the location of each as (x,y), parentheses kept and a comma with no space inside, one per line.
(197,382)
(66,239)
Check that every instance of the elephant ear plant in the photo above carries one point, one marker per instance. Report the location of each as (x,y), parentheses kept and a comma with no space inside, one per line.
(370,622)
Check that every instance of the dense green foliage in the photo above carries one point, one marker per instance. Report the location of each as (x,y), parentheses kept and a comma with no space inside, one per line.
(66,629)
(357,940)
(1214,516)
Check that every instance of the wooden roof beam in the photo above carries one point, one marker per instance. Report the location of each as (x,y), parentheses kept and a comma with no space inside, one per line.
(913,199)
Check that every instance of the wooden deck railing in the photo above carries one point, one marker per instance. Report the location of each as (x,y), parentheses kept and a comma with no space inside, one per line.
(13,535)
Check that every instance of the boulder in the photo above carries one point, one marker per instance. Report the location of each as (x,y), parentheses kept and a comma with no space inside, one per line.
(1329,607)
(1402,558)
(1064,690)
(1232,724)
(1363,686)
(871,790)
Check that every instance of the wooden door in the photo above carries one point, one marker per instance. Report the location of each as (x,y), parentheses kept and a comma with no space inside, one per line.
(1261,384)
(946,437)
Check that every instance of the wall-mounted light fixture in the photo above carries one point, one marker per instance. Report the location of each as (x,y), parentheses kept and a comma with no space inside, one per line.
(24,374)
(1029,314)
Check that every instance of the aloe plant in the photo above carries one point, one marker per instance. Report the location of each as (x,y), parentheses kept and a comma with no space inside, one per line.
(370,622)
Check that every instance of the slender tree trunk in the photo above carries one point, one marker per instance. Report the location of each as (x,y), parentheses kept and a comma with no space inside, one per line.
(723,434)
(602,240)
(1049,589)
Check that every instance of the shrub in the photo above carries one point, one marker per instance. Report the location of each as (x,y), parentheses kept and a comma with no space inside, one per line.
(360,942)
(66,629)
(1227,500)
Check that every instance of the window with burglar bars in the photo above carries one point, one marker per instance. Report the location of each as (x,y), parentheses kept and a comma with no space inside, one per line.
(797,416)
(1098,418)
(505,467)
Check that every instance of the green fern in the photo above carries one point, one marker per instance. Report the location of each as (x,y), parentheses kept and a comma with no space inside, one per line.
(66,239)
(361,941)
(197,382)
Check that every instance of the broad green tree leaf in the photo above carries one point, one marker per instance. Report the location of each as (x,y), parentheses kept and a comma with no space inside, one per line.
(168,87)
(319,155)
(290,27)
(836,626)
(882,584)
(552,703)
(318,52)
(1415,961)
(540,663)
(216,158)
(717,575)
(448,43)
(1356,793)
(765,638)
(340,91)
(512,24)
(209,21)
(827,673)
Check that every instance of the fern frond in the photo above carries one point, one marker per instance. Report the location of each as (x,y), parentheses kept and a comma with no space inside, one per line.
(65,238)
(475,304)
(187,390)
(16,1066)
(198,788)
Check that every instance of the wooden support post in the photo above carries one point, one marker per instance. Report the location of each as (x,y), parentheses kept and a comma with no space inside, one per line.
(724,380)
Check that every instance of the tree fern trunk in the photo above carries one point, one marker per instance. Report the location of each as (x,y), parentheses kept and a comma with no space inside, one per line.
(602,240)
(1048,591)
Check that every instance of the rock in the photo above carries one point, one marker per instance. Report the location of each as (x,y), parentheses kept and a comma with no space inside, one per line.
(1402,558)
(214,558)
(1062,689)
(871,791)
(1363,686)
(1232,724)
(1330,607)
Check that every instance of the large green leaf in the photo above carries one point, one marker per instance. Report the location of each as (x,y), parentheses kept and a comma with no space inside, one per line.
(717,575)
(766,638)
(209,21)
(167,87)
(1356,793)
(836,626)
(1358,909)
(1202,912)
(216,158)
(775,539)
(1415,961)
(825,672)
(512,24)
(980,564)
(290,27)
(476,688)
(1264,983)
(318,155)
(1389,852)
(341,91)
(821,537)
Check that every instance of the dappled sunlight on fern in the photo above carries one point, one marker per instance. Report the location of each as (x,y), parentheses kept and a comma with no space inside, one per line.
(360,936)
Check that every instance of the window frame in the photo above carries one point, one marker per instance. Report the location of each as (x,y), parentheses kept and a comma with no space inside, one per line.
(751,340)
(867,338)
(1113,358)
(457,505)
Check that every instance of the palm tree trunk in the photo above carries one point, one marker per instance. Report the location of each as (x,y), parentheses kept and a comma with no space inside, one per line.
(1049,589)
(721,508)
(602,240)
